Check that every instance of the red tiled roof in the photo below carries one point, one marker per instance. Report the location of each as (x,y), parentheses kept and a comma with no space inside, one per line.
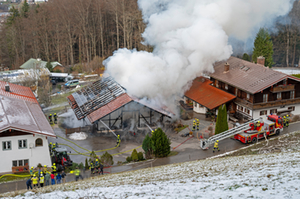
(203,93)
(110,107)
(17,92)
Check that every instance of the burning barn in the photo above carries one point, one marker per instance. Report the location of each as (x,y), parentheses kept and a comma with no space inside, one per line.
(106,105)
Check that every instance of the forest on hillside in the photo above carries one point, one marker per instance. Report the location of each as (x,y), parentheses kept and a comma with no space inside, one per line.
(73,32)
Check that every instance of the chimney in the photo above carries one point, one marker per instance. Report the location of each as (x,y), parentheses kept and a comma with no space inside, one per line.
(7,88)
(261,60)
(226,67)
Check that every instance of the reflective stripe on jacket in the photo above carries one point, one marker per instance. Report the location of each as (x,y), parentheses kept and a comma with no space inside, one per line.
(35,180)
(42,179)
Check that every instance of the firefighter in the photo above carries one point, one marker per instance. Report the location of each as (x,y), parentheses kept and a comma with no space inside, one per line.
(194,125)
(35,181)
(50,118)
(77,174)
(92,168)
(284,121)
(197,122)
(257,125)
(42,179)
(216,146)
(45,170)
(53,147)
(50,146)
(31,171)
(55,118)
(97,165)
(53,169)
(118,140)
(287,120)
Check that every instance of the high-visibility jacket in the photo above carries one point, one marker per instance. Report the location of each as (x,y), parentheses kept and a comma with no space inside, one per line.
(92,165)
(216,145)
(35,180)
(45,169)
(42,179)
(54,168)
(31,171)
(198,122)
(97,164)
(77,172)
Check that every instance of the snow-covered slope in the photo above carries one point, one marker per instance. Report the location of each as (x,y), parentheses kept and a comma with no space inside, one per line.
(275,175)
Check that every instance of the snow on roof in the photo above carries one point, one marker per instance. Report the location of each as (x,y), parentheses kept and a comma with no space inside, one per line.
(22,115)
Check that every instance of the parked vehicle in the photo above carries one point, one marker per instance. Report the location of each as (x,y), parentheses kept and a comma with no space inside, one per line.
(61,158)
(259,130)
(72,83)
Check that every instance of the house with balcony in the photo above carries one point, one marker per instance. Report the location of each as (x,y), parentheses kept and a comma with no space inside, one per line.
(259,90)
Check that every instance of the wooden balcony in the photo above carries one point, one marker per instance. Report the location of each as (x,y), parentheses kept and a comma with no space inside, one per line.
(284,102)
(283,88)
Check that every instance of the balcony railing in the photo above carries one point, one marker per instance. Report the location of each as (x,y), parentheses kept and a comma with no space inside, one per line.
(283,88)
(269,104)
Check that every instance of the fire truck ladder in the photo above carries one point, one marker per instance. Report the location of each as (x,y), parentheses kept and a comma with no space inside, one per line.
(205,143)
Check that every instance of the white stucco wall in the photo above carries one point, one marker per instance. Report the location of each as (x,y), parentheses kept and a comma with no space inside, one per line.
(198,108)
(256,113)
(35,155)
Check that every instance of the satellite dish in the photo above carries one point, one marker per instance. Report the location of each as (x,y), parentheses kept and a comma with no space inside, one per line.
(31,145)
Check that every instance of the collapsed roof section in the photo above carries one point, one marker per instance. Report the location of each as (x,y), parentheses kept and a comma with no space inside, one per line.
(102,98)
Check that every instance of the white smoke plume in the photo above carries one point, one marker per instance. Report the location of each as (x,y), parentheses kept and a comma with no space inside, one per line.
(188,37)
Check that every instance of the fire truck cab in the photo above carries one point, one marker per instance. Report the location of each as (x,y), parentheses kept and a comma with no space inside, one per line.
(270,126)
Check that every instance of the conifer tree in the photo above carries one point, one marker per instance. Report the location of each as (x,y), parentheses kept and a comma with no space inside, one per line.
(161,143)
(221,124)
(263,46)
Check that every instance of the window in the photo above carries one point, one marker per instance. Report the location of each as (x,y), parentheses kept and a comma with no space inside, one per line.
(248,96)
(195,104)
(292,94)
(18,163)
(22,144)
(226,86)
(6,145)
(272,111)
(38,142)
(236,91)
(217,83)
(292,108)
(264,112)
(265,98)
(278,96)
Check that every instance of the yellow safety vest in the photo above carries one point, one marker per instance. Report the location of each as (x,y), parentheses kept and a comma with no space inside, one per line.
(198,121)
(42,179)
(77,172)
(35,180)
(216,145)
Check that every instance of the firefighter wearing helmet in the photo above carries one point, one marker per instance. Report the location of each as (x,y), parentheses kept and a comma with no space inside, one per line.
(35,181)
(284,121)
(216,146)
(53,168)
(118,141)
(50,118)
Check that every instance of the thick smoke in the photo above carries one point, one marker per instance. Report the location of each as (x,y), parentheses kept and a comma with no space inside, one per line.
(188,38)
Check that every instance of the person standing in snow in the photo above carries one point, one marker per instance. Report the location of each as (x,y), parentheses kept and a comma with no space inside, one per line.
(63,176)
(92,168)
(35,181)
(28,183)
(58,178)
(47,179)
(42,179)
(77,174)
(52,176)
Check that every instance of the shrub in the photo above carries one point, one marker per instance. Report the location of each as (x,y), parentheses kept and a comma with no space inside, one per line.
(81,165)
(161,143)
(295,118)
(86,164)
(140,156)
(107,159)
(148,147)
(119,163)
(129,159)
(74,165)
(134,155)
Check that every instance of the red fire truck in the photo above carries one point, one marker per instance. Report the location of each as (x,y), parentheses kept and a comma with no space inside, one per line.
(273,125)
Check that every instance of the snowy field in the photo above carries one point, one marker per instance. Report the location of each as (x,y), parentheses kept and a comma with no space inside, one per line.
(275,175)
